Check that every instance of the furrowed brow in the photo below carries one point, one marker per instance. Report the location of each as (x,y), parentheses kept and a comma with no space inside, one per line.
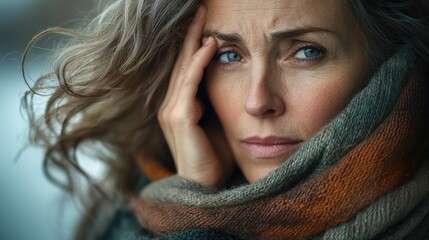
(279,35)
(297,32)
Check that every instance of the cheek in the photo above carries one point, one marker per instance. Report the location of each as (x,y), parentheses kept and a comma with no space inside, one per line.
(223,99)
(316,109)
(224,95)
(316,105)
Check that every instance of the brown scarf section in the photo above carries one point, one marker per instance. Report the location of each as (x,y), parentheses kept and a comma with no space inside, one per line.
(381,163)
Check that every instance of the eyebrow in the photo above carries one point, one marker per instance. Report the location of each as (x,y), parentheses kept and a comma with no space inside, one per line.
(279,35)
(227,37)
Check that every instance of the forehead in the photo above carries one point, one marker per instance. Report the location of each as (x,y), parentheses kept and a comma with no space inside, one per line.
(230,15)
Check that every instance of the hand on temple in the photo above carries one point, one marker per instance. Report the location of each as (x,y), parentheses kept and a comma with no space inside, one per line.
(193,152)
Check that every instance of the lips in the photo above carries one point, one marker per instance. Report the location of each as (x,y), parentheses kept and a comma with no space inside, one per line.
(270,147)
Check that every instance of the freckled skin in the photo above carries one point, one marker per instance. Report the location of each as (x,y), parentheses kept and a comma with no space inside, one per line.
(271,93)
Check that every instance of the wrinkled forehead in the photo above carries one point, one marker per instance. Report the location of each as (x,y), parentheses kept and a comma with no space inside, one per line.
(271,15)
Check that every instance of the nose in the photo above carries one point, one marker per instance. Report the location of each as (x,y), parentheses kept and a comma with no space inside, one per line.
(263,98)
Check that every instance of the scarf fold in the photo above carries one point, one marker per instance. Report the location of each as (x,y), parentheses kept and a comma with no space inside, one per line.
(355,179)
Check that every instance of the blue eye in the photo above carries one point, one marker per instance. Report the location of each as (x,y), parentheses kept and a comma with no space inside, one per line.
(308,53)
(228,57)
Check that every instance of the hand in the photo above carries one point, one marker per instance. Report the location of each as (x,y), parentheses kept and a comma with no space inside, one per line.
(180,112)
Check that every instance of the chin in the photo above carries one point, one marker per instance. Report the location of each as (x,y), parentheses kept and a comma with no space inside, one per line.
(259,172)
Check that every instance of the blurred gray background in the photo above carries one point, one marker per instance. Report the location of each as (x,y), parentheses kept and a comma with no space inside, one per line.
(30,206)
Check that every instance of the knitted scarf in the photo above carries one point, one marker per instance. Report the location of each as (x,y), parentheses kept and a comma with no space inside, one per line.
(363,176)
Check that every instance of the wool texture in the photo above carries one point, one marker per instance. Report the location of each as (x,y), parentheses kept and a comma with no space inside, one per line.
(363,176)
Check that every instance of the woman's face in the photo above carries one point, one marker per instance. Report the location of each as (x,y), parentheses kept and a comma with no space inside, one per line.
(283,70)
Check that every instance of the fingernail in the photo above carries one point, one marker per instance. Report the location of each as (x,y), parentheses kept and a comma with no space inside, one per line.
(207,41)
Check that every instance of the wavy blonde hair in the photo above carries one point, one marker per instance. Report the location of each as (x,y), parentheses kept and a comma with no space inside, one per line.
(110,78)
(106,86)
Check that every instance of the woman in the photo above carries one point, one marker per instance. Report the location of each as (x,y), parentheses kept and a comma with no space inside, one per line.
(280,119)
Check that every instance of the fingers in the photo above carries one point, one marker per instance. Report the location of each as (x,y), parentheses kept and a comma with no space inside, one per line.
(181,111)
(189,67)
(194,73)
(194,33)
(191,44)
(182,107)
(192,39)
